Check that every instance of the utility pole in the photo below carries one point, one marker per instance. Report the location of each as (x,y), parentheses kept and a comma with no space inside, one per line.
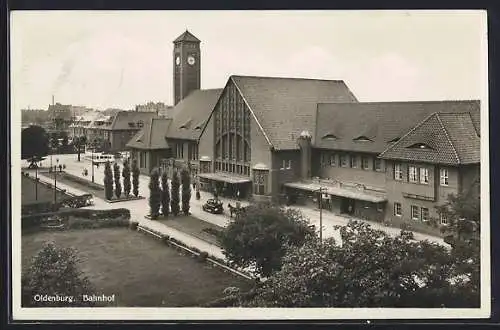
(320,191)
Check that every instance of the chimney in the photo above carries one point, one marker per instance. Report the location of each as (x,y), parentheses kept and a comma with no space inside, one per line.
(304,142)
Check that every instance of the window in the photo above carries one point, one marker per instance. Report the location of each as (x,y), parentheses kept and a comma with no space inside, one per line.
(397,209)
(283,164)
(377,164)
(425,214)
(444,176)
(414,213)
(179,151)
(343,160)
(398,174)
(424,175)
(289,165)
(413,174)
(354,163)
(142,159)
(364,163)
(333,160)
(443,218)
(259,182)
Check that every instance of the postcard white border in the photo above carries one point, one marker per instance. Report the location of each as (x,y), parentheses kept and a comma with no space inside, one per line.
(172,314)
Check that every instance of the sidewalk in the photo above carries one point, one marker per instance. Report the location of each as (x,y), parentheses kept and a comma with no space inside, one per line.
(139,208)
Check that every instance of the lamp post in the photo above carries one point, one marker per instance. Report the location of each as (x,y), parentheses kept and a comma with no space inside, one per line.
(55,181)
(36,181)
(320,191)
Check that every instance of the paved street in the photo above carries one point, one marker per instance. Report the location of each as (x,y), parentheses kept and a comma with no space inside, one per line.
(139,208)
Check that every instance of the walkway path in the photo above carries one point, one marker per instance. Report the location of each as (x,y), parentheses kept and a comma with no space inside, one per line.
(139,208)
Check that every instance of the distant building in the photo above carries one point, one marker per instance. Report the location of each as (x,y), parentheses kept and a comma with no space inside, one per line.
(160,108)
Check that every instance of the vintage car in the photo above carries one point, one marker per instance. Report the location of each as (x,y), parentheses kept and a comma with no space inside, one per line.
(213,206)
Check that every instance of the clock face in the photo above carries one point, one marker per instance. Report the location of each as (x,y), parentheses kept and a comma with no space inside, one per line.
(191,60)
(177,60)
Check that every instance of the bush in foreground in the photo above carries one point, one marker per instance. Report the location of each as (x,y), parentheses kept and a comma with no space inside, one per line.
(55,271)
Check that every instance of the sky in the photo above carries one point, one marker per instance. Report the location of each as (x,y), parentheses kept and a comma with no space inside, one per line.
(121,59)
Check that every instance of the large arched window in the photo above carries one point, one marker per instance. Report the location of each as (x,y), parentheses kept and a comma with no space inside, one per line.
(232,133)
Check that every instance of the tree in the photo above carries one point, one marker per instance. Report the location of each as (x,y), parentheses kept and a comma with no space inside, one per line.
(108,181)
(186,190)
(154,194)
(34,142)
(118,186)
(261,235)
(79,142)
(55,271)
(126,177)
(174,194)
(368,269)
(165,194)
(135,178)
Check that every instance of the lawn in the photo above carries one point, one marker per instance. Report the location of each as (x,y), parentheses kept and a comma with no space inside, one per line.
(193,226)
(30,189)
(140,270)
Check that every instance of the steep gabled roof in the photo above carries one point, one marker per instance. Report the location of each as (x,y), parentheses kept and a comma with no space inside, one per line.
(451,137)
(284,107)
(190,115)
(380,122)
(187,36)
(129,120)
(152,135)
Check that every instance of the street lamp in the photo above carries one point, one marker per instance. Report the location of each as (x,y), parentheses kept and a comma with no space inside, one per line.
(320,191)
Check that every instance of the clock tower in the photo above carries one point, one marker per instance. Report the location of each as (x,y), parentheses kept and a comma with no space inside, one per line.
(187,66)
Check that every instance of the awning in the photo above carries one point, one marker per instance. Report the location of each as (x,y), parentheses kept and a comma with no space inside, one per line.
(224,177)
(338,191)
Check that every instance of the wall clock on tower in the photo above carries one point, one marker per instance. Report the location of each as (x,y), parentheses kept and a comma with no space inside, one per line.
(191,60)
(177,60)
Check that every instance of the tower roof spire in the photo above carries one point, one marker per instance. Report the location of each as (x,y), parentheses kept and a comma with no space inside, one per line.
(186,36)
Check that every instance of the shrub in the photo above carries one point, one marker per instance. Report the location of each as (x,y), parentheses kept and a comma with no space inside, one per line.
(78,201)
(174,195)
(154,195)
(108,181)
(135,178)
(53,271)
(126,178)
(165,194)
(203,256)
(118,186)
(262,234)
(133,225)
(186,190)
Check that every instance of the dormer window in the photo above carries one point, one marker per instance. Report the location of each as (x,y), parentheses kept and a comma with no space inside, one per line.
(131,124)
(186,125)
(362,138)
(329,136)
(422,146)
(140,123)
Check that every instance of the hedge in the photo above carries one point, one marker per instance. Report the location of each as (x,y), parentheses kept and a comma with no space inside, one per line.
(45,207)
(102,218)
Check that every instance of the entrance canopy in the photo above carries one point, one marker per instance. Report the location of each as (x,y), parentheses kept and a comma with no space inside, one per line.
(224,177)
(363,195)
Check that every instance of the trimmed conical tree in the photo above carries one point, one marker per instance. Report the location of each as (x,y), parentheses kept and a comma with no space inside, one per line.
(174,194)
(126,178)
(186,190)
(135,178)
(154,194)
(118,185)
(165,194)
(108,181)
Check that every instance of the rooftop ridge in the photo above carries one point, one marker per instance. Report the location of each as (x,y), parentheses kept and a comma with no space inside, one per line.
(408,102)
(287,78)
(448,138)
